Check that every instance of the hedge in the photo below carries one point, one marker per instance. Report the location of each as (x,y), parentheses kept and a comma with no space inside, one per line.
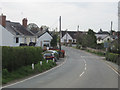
(16,57)
(113,57)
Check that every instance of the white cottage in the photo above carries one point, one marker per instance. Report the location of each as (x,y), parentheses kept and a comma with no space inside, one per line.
(70,36)
(43,38)
(14,34)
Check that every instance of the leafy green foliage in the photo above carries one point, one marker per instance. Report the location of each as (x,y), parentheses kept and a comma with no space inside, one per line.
(87,40)
(16,57)
(54,41)
(113,57)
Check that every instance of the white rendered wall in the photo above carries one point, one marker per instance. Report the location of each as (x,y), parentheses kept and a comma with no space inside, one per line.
(44,37)
(66,36)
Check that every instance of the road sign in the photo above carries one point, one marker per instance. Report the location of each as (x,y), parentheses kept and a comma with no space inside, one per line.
(106,44)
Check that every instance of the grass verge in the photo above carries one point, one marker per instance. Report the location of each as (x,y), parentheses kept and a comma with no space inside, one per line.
(96,52)
(26,71)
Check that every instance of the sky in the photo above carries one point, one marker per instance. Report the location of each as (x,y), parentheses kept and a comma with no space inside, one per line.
(87,14)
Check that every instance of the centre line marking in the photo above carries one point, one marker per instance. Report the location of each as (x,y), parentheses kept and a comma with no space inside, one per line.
(82,74)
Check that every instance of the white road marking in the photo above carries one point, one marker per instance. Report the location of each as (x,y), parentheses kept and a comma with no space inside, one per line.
(84,68)
(82,74)
(112,68)
(36,75)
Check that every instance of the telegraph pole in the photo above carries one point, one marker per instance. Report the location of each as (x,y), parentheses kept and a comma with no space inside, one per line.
(111,25)
(60,33)
(66,37)
(78,28)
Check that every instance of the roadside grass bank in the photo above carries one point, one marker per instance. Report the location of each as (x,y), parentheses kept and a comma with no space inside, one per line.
(26,71)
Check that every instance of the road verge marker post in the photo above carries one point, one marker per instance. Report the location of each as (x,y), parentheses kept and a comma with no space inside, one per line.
(53,60)
(47,61)
(40,62)
(32,66)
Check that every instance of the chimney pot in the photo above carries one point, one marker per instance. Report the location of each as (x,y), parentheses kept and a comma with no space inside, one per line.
(24,22)
(3,20)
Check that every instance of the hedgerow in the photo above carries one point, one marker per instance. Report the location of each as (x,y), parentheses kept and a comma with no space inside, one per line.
(16,57)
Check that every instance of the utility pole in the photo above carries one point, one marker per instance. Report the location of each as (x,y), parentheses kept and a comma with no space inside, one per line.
(111,25)
(66,37)
(60,33)
(78,28)
(77,33)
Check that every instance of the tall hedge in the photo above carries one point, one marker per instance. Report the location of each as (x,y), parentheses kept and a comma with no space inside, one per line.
(113,57)
(16,57)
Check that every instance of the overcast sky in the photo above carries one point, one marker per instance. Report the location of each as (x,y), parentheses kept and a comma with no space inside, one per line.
(94,15)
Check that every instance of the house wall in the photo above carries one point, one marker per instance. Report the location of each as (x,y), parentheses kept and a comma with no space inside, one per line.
(44,39)
(28,39)
(105,39)
(8,38)
(66,36)
(119,16)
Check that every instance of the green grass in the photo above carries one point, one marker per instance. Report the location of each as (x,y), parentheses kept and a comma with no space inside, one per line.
(96,52)
(25,71)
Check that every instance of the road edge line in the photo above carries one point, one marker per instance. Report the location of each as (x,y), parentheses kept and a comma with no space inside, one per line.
(114,69)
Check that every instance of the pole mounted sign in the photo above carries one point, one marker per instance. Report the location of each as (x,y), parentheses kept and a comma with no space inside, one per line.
(106,44)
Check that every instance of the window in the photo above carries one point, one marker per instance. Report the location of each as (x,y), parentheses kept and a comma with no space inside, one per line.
(25,41)
(17,40)
(65,40)
(74,40)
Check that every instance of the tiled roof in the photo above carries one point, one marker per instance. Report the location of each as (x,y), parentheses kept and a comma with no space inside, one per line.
(40,33)
(17,29)
(73,34)
(101,36)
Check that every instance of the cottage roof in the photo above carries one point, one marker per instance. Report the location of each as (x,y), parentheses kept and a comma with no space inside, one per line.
(40,33)
(17,29)
(101,36)
(73,34)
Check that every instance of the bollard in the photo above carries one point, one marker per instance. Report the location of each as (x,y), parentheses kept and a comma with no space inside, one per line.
(33,66)
(40,62)
(47,61)
(53,60)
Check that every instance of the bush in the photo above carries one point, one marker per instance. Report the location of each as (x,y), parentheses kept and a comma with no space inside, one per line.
(16,57)
(113,57)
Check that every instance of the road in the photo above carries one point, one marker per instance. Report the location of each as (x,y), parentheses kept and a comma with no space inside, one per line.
(81,70)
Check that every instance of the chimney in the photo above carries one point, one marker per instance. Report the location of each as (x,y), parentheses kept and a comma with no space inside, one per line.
(3,20)
(41,29)
(24,22)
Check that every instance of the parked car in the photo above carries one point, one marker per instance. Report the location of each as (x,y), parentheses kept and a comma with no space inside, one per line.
(61,53)
(56,54)
(49,56)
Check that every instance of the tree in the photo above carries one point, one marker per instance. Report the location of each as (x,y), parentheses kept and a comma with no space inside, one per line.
(54,41)
(44,27)
(91,39)
(33,27)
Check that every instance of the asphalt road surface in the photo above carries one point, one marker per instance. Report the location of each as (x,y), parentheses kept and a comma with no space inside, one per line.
(80,70)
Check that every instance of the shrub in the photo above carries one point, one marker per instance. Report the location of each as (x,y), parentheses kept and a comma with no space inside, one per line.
(16,57)
(113,57)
